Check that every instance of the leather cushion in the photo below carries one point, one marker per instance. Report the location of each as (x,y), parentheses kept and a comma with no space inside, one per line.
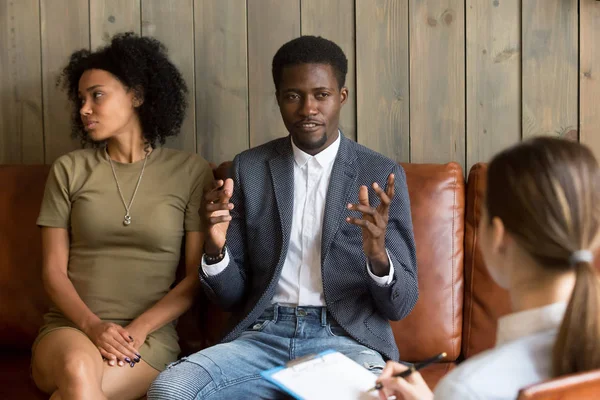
(22,298)
(485,301)
(582,386)
(15,378)
(434,373)
(437,204)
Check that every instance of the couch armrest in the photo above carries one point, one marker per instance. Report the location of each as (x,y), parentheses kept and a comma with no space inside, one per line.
(581,386)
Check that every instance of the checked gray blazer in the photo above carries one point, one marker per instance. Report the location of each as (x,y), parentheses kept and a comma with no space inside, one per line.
(259,234)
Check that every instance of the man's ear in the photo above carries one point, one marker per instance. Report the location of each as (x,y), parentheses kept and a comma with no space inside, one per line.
(344,93)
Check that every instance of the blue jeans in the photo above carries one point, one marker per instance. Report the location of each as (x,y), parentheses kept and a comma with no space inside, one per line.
(232,370)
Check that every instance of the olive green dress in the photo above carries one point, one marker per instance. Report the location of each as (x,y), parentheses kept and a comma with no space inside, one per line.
(121,271)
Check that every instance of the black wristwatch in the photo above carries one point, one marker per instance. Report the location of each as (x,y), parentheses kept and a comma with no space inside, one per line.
(209,260)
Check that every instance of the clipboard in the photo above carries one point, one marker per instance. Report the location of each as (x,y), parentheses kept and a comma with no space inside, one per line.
(327,375)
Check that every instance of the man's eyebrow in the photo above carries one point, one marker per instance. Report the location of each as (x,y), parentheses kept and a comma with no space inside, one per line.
(312,90)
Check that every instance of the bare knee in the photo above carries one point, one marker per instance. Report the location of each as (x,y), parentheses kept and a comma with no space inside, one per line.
(78,367)
(64,356)
(67,371)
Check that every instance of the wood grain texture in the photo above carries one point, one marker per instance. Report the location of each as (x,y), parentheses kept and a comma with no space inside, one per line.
(418,93)
(437,81)
(271,23)
(21,123)
(221,79)
(549,46)
(382,77)
(493,77)
(108,17)
(334,20)
(172,22)
(589,75)
(65,28)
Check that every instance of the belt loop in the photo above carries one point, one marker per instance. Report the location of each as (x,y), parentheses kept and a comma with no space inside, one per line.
(323,316)
(275,312)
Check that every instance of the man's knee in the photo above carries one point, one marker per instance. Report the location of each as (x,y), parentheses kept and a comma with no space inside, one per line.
(183,380)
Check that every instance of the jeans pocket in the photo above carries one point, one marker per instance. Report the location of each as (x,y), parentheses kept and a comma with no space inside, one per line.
(335,330)
(259,325)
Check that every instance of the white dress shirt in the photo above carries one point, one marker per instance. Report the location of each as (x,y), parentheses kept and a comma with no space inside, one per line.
(522,356)
(301,282)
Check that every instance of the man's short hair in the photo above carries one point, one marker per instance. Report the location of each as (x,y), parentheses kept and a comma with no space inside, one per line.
(310,50)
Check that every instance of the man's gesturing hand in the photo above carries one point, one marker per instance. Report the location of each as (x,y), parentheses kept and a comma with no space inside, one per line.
(217,207)
(374,224)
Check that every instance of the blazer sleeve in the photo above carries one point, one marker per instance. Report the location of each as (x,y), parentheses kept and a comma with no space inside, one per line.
(396,300)
(228,288)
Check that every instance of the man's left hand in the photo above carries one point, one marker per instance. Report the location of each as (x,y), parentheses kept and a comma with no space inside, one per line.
(374,224)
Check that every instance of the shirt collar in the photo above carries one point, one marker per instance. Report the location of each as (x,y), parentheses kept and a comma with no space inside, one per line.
(324,158)
(528,322)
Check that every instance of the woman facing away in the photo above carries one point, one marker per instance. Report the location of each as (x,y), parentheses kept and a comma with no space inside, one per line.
(113,219)
(538,233)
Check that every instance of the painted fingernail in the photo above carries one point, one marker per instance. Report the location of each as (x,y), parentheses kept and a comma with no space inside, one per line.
(132,364)
(139,356)
(137,360)
(130,338)
(127,360)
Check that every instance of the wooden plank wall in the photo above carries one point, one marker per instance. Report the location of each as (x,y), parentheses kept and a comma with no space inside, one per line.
(429,80)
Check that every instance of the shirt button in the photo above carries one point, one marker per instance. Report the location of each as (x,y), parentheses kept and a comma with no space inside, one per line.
(301,313)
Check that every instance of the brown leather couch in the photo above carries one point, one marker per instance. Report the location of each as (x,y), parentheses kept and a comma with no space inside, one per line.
(456,311)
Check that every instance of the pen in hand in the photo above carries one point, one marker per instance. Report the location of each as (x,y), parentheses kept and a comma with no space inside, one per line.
(413,368)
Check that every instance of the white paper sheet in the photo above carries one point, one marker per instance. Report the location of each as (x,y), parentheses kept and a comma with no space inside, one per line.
(331,375)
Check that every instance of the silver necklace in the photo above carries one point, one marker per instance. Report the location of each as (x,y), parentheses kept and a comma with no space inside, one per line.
(127,218)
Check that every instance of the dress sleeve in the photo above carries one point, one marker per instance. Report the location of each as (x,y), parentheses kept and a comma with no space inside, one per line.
(55,211)
(203,178)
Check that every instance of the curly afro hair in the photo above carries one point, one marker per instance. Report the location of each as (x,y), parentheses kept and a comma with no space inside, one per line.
(310,50)
(140,64)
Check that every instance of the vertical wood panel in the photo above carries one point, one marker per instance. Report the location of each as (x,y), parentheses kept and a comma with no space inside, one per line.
(590,74)
(382,77)
(21,124)
(108,17)
(172,22)
(334,20)
(271,23)
(221,79)
(437,81)
(550,68)
(65,28)
(493,77)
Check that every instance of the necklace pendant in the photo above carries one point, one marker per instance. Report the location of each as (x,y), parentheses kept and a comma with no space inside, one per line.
(127,220)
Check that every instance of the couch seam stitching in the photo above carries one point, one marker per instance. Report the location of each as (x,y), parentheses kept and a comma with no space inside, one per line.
(453,256)
(472,268)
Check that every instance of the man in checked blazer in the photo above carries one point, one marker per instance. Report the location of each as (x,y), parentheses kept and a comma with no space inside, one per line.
(310,245)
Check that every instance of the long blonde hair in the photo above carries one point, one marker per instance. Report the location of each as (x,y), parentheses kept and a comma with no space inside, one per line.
(546,191)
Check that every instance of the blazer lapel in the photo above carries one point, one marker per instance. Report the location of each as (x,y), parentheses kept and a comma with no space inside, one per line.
(341,185)
(282,174)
